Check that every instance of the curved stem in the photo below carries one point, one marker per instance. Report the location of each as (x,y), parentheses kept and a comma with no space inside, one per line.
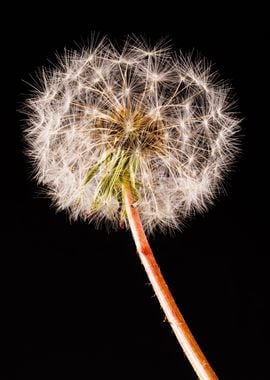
(184,336)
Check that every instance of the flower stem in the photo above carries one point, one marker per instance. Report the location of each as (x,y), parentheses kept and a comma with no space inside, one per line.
(180,328)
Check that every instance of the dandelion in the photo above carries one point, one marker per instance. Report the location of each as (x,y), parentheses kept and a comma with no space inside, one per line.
(137,137)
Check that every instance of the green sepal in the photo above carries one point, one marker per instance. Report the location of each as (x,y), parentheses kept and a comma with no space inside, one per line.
(94,169)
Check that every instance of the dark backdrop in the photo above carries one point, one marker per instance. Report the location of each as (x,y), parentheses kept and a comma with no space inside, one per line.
(79,302)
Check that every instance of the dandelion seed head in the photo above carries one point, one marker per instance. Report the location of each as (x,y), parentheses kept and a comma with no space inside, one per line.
(103,116)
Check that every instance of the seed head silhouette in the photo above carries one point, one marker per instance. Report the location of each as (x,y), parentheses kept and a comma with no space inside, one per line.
(158,120)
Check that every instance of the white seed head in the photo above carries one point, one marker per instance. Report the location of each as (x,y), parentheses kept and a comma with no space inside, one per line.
(147,116)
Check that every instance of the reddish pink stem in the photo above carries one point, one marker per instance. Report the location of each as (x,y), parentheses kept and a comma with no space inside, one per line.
(183,334)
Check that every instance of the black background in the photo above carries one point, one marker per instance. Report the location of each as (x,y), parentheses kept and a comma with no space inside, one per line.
(78,299)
